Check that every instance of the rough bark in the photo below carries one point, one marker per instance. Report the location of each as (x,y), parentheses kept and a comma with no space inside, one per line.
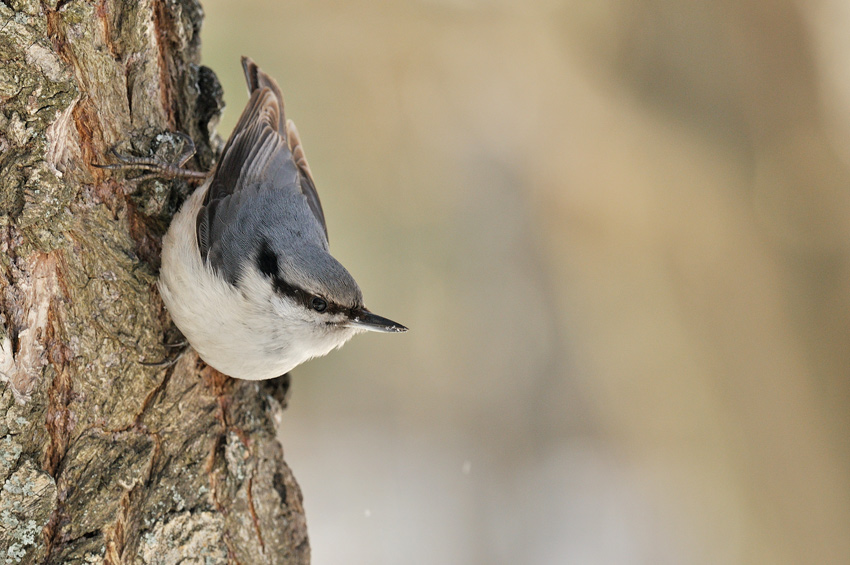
(104,459)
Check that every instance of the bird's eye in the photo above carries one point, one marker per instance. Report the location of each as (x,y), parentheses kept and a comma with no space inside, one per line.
(319,304)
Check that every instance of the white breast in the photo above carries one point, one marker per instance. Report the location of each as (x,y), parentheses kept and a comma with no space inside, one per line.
(243,331)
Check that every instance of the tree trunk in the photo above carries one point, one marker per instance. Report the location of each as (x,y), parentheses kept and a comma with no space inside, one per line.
(104,459)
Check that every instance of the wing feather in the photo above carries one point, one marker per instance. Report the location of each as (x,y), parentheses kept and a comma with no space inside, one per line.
(262,165)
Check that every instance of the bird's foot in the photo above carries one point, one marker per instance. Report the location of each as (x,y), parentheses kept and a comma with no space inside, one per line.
(178,347)
(158,168)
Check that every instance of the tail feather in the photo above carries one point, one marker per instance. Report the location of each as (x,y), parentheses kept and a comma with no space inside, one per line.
(257,79)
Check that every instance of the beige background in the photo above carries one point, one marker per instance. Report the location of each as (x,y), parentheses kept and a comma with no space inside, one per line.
(620,233)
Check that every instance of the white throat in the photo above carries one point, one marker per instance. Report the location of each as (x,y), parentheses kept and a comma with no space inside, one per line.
(245,331)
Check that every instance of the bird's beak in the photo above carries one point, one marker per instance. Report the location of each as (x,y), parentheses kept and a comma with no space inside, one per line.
(365,320)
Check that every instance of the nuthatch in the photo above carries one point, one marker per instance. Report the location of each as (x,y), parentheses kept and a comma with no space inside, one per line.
(246,272)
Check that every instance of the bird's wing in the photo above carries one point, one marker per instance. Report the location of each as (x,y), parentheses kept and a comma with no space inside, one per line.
(308,187)
(262,182)
(257,80)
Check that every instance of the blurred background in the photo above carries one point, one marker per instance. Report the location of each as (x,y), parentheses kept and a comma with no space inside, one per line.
(620,234)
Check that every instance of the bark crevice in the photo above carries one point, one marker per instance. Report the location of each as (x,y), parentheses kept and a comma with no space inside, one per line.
(104,459)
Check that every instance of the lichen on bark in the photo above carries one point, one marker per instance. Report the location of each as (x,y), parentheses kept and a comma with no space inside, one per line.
(104,459)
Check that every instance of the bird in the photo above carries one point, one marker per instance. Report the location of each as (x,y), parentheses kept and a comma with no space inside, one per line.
(246,272)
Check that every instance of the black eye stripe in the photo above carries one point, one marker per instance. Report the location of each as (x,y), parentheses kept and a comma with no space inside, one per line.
(305,298)
(267,264)
(267,260)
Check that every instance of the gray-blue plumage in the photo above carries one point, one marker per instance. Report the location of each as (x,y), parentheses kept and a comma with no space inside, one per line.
(262,201)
